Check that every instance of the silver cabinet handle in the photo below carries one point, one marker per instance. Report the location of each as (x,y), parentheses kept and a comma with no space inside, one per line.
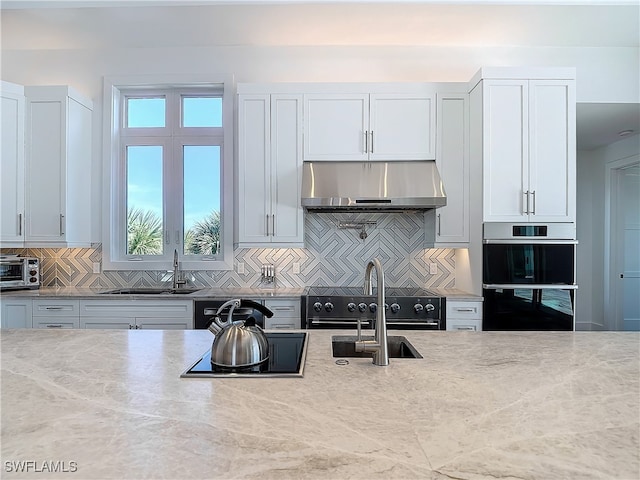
(438,224)
(371,141)
(525,200)
(273,225)
(19,224)
(267,220)
(54,326)
(366,141)
(53,308)
(465,309)
(472,329)
(533,210)
(61,224)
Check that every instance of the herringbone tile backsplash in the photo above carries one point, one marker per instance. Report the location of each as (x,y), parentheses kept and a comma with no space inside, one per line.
(333,257)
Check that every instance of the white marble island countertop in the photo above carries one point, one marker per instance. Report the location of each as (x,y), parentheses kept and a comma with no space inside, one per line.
(111,404)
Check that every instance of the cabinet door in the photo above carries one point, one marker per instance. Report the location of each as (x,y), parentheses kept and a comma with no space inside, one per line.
(45,171)
(402,127)
(336,127)
(15,312)
(552,152)
(452,220)
(107,323)
(287,222)
(163,323)
(12,165)
(254,194)
(505,150)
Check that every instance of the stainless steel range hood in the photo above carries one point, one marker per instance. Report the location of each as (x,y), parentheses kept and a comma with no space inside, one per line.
(372,186)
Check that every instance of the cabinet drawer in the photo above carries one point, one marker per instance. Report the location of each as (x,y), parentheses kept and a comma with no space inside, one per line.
(137,308)
(56,308)
(457,309)
(57,323)
(283,308)
(280,323)
(466,325)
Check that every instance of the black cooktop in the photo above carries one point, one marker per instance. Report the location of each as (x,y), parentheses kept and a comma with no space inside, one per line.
(287,354)
(358,292)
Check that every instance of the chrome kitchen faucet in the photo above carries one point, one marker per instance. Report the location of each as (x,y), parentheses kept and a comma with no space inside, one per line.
(379,345)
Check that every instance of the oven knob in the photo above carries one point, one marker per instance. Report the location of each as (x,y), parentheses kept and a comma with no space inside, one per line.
(429,307)
(32,272)
(317,306)
(33,280)
(328,306)
(418,308)
(395,308)
(351,307)
(373,307)
(362,307)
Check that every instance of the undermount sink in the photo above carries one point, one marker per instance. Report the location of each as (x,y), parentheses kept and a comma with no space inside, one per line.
(151,291)
(399,347)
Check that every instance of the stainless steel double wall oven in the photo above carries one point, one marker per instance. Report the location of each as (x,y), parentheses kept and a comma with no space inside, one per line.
(529,276)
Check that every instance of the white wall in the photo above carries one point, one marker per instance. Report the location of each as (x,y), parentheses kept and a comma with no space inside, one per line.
(591,227)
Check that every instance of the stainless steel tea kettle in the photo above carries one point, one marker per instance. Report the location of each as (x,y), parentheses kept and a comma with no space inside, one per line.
(238,344)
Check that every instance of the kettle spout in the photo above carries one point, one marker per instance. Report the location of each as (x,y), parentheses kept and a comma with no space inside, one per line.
(215,326)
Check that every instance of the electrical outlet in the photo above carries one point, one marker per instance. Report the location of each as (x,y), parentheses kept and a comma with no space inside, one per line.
(433,269)
(96,267)
(296,268)
(240,267)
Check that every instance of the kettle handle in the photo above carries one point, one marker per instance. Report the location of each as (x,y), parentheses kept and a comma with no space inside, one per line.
(258,306)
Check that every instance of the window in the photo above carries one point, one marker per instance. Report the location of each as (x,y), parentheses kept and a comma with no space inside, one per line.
(168,189)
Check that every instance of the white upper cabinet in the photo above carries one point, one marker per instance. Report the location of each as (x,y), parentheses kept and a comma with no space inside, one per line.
(449,225)
(12,166)
(375,126)
(58,173)
(269,170)
(529,149)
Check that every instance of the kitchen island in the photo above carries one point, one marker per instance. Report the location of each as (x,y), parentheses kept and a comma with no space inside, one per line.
(111,404)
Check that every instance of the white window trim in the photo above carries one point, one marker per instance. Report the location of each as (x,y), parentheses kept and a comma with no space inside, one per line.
(110,158)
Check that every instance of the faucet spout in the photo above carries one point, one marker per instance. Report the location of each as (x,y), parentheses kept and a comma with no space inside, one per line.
(177,277)
(379,345)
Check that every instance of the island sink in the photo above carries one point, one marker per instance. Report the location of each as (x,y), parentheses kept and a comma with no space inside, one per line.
(151,291)
(399,347)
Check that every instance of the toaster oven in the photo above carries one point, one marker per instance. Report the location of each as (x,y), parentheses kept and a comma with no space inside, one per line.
(17,273)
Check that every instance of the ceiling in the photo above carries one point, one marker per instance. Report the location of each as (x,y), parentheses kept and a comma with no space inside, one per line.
(137,24)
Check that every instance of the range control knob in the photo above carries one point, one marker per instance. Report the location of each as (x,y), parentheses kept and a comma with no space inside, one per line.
(373,307)
(351,307)
(33,279)
(317,306)
(32,272)
(418,308)
(430,307)
(362,307)
(395,308)
(328,306)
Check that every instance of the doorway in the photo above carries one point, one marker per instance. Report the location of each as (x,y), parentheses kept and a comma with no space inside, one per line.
(623,272)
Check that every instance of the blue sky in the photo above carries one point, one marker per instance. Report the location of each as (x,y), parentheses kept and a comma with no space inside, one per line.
(201,162)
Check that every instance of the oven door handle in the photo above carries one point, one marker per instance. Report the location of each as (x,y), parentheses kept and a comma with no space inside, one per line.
(338,322)
(530,286)
(418,323)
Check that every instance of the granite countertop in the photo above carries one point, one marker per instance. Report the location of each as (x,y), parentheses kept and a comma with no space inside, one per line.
(204,292)
(487,405)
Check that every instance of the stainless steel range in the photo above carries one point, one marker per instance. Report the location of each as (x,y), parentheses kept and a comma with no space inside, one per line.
(406,308)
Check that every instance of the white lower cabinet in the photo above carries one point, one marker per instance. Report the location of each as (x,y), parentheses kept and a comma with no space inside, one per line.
(15,312)
(286,314)
(56,313)
(464,315)
(136,314)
